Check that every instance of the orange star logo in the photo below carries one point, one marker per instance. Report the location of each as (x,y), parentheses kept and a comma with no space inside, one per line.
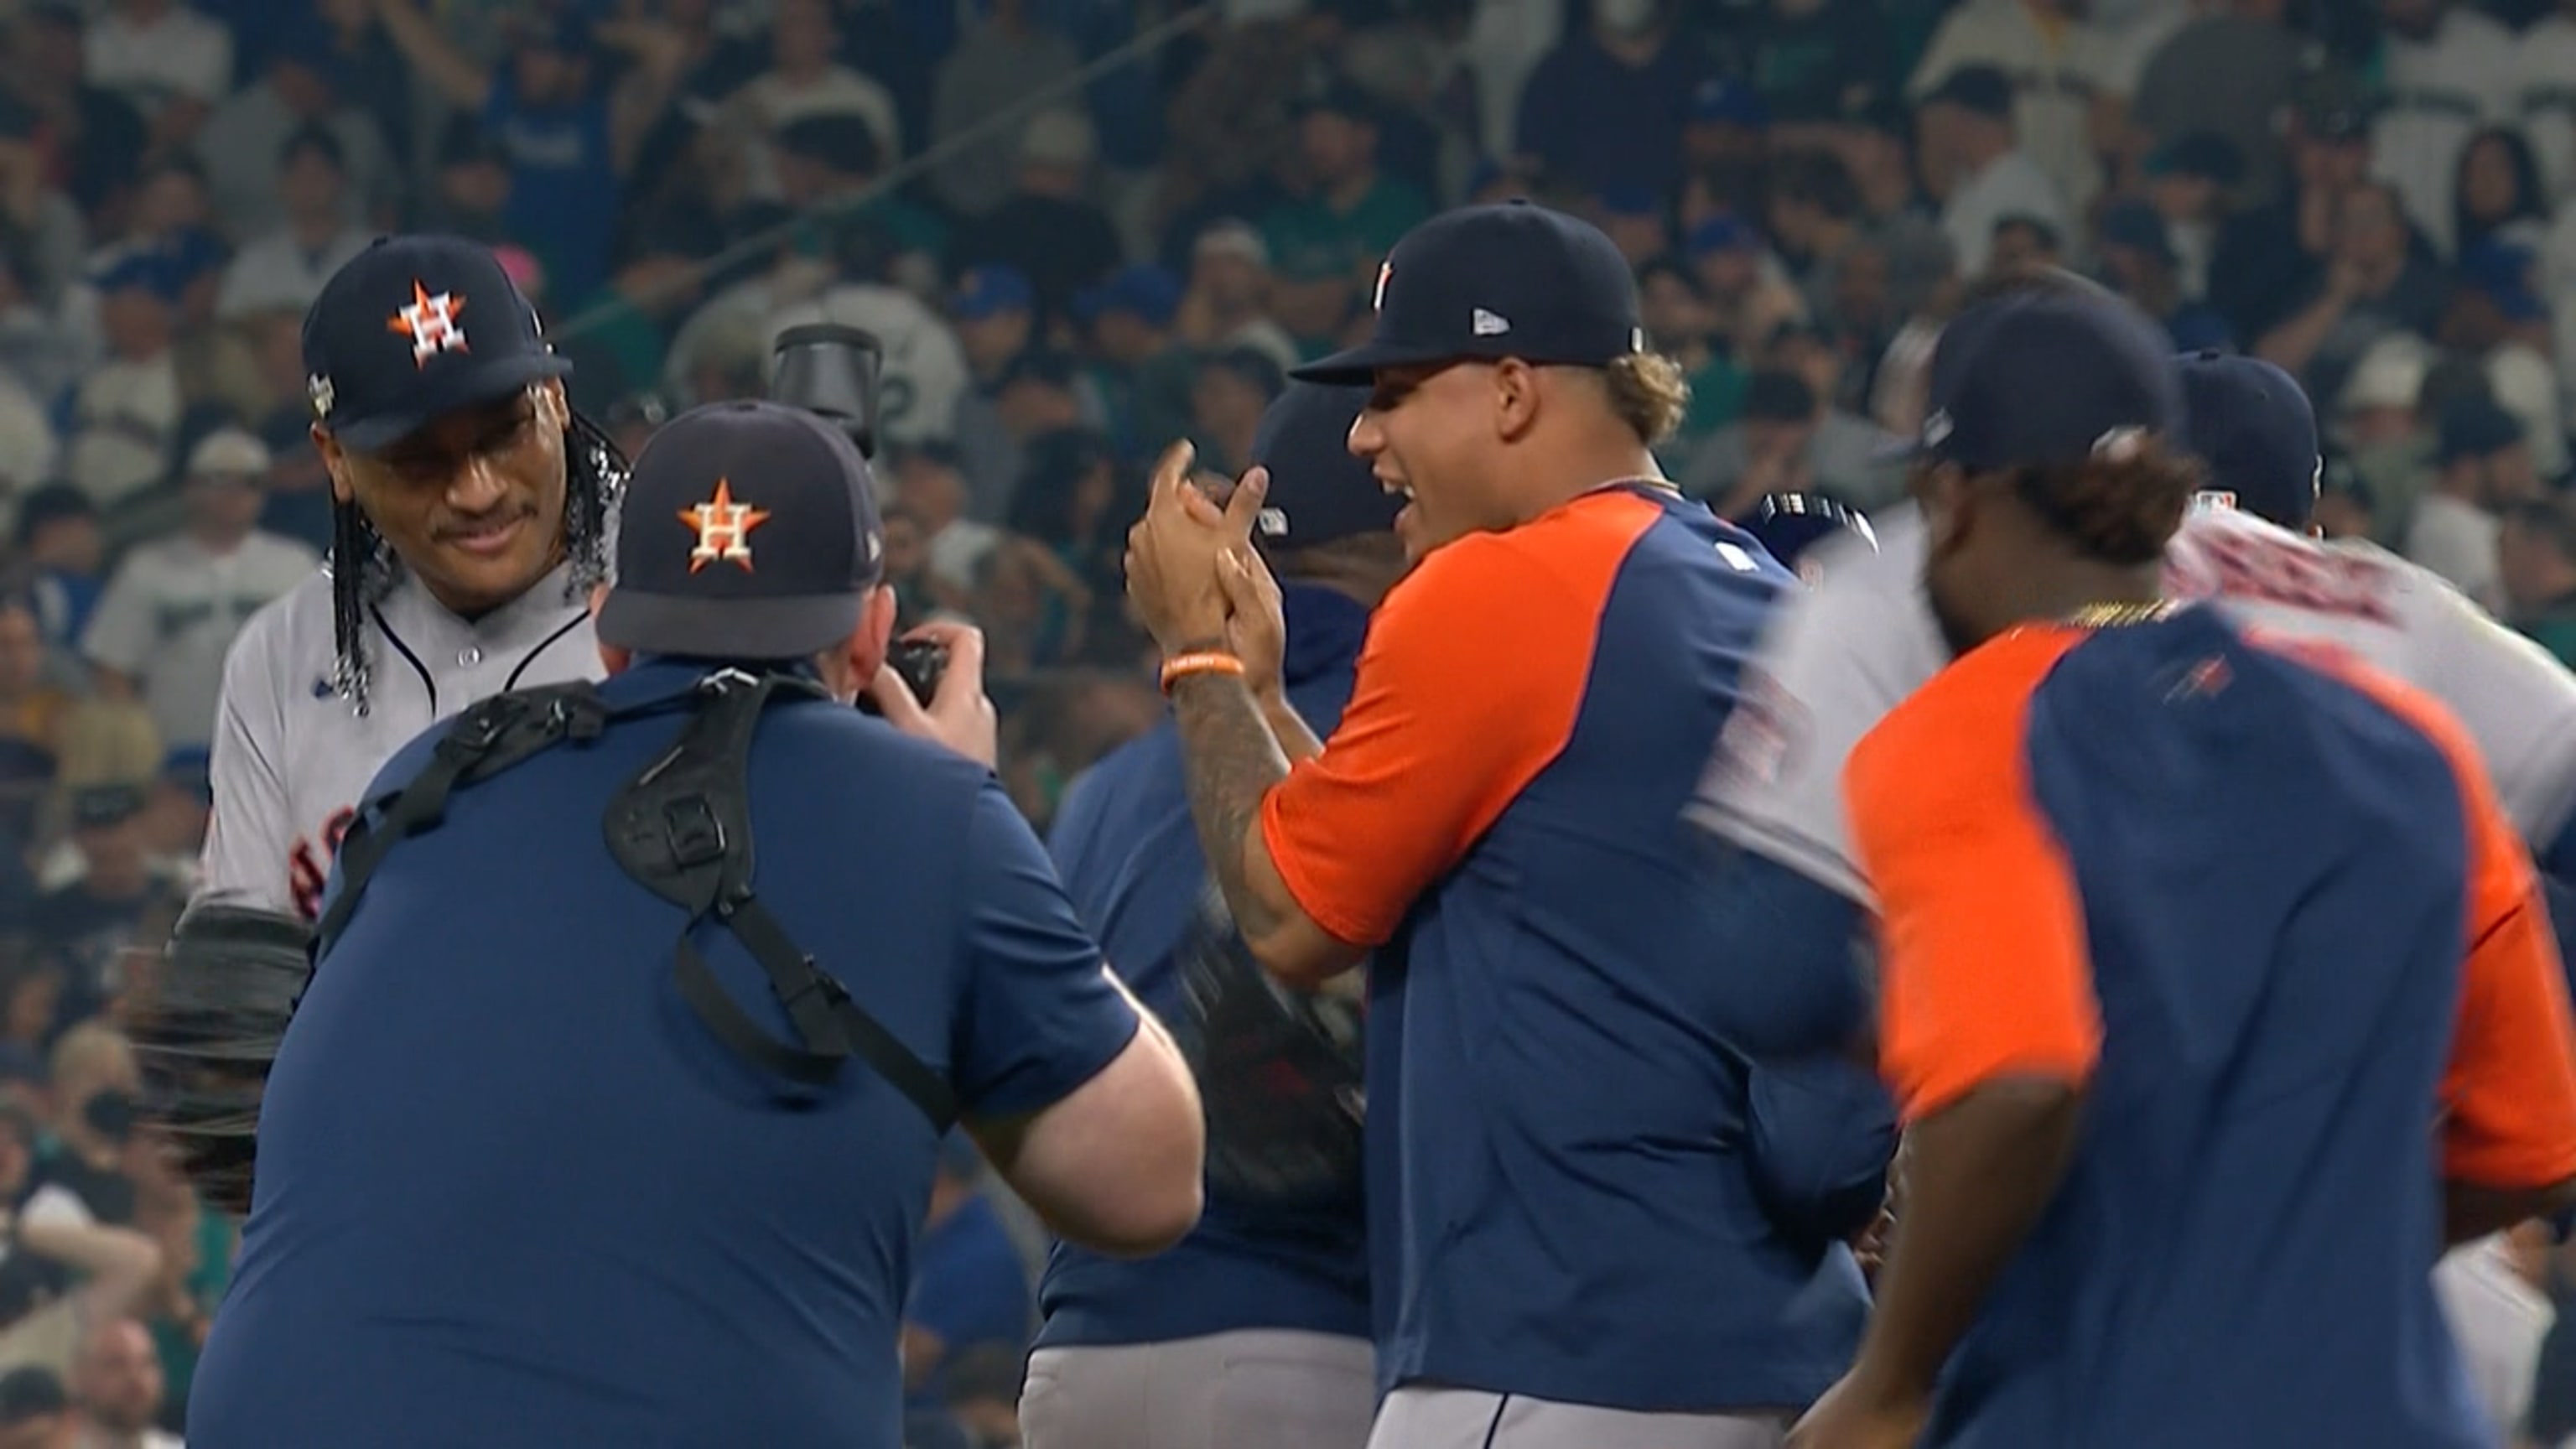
(430,322)
(724,529)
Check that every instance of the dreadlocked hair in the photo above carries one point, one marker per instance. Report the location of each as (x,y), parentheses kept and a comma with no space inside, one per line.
(2119,506)
(361,566)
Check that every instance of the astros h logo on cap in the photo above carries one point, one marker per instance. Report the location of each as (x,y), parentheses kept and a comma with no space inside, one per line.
(430,322)
(386,349)
(724,528)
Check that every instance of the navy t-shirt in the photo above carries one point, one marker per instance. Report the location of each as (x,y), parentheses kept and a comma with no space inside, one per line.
(513,1192)
(1131,860)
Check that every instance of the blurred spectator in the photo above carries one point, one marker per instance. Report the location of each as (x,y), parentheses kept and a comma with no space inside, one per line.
(2271,258)
(2374,284)
(805,82)
(1973,162)
(88,922)
(2484,465)
(1815,60)
(1605,111)
(172,63)
(1228,300)
(125,418)
(62,551)
(2345,509)
(931,487)
(1226,402)
(826,165)
(1010,57)
(1045,227)
(548,110)
(2046,64)
(1138,369)
(1324,247)
(33,714)
(2189,183)
(2496,195)
(40,228)
(2498,321)
(2385,431)
(40,348)
(1792,439)
(2442,65)
(470,188)
(1815,218)
(2226,72)
(2536,569)
(285,268)
(1748,292)
(300,90)
(35,1413)
(1681,325)
(1725,147)
(95,136)
(2139,262)
(1635,223)
(2023,242)
(117,1382)
(175,606)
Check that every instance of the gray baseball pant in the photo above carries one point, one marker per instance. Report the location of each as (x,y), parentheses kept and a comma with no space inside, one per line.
(1253,1389)
(1422,1417)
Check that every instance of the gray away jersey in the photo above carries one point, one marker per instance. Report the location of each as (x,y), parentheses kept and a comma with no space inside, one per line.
(1844,652)
(291,757)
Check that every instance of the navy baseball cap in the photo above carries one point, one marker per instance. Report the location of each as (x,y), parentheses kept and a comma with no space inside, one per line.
(2253,426)
(2032,379)
(1319,490)
(1489,282)
(413,328)
(748,530)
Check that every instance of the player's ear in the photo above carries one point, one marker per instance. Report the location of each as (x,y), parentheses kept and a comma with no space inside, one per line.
(868,642)
(1516,388)
(335,462)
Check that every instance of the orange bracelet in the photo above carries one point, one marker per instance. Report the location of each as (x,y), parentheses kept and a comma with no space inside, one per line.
(1199,661)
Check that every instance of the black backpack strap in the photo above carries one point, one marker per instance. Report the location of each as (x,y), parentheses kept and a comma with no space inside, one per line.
(682,828)
(491,736)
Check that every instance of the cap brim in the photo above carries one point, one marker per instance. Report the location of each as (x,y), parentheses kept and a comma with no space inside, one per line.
(789,628)
(464,389)
(1355,366)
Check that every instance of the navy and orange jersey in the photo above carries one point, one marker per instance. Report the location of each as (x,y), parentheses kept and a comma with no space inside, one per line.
(2270,914)
(1558,1200)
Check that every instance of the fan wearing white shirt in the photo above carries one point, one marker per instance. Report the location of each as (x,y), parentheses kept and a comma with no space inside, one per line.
(2484,464)
(284,270)
(1973,158)
(175,606)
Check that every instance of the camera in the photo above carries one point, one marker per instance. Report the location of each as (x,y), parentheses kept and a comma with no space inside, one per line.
(831,371)
(919,663)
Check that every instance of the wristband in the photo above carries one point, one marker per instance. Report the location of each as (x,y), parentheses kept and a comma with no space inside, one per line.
(1199,661)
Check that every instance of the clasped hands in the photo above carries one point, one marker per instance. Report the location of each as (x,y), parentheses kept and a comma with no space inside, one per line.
(1194,577)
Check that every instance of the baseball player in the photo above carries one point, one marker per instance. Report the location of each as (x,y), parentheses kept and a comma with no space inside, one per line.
(1840,655)
(1267,1296)
(1569,1246)
(467,501)
(2189,944)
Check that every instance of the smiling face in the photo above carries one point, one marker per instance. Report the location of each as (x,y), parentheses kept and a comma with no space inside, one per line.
(1429,433)
(473,503)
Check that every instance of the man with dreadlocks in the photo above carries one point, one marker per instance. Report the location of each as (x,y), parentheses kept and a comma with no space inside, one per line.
(467,503)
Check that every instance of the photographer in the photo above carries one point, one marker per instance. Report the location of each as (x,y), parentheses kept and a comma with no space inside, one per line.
(533,1174)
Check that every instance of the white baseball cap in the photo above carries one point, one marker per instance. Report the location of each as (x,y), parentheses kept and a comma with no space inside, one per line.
(229,453)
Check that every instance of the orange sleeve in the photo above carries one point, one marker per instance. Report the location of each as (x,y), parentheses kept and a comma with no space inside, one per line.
(1983,962)
(1474,672)
(2509,1099)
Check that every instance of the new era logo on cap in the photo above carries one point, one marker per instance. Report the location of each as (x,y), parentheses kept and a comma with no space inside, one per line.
(1507,280)
(747,531)
(415,327)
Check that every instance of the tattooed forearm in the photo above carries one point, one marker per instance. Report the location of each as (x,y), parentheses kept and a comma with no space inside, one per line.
(1231,760)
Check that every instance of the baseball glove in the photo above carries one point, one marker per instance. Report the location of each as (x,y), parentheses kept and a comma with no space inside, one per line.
(1279,1071)
(208,1032)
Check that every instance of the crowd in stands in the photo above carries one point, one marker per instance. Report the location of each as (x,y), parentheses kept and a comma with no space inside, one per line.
(1083,228)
